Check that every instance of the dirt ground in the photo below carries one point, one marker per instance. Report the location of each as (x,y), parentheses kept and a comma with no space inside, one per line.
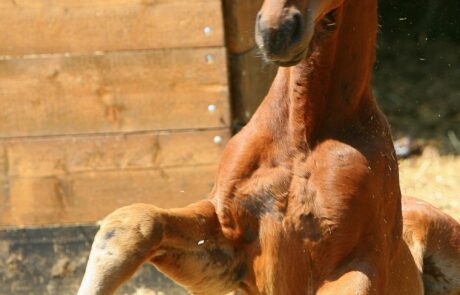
(418,87)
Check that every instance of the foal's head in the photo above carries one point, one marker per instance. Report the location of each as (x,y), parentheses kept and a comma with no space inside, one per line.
(284,28)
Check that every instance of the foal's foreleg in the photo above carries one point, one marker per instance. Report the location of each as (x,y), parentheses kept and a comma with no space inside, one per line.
(138,233)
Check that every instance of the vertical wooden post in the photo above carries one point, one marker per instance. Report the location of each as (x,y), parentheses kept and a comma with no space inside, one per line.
(250,76)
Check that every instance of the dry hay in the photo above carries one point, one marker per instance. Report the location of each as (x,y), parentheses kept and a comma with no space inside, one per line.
(433,178)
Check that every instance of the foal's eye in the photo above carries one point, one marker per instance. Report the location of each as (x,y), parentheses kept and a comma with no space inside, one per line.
(331,16)
(329,21)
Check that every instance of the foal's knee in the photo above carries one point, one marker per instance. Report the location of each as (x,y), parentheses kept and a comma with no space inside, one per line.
(127,238)
(138,225)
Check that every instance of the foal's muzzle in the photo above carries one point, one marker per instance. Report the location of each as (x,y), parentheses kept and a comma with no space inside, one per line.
(281,40)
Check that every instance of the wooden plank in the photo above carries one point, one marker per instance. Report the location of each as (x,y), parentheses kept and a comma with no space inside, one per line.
(88,197)
(81,179)
(116,92)
(251,79)
(52,157)
(3,160)
(240,20)
(4,184)
(58,26)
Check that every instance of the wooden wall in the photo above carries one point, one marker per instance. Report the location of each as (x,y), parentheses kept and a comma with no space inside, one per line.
(251,76)
(106,103)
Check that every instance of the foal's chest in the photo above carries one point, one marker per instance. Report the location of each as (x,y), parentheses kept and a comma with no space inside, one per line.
(308,219)
(330,171)
(310,196)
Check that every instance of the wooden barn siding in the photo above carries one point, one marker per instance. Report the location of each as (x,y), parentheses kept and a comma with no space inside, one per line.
(251,76)
(240,16)
(105,103)
(88,197)
(76,26)
(113,92)
(81,179)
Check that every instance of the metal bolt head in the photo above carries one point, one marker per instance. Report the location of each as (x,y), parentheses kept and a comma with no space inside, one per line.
(207,31)
(217,139)
(210,58)
(212,108)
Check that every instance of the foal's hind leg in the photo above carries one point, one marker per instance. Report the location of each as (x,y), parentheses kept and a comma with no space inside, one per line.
(185,243)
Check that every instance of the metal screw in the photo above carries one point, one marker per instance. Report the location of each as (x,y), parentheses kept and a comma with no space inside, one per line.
(207,31)
(212,108)
(217,139)
(210,58)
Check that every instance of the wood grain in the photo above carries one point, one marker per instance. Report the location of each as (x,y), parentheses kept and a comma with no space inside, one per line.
(76,26)
(240,21)
(79,179)
(52,157)
(88,197)
(4,184)
(251,80)
(116,92)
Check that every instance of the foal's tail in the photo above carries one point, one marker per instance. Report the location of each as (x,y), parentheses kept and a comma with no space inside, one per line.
(434,241)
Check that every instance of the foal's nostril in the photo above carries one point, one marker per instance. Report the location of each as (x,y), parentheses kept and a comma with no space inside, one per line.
(296,34)
(291,30)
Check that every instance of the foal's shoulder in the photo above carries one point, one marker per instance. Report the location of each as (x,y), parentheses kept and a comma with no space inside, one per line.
(355,158)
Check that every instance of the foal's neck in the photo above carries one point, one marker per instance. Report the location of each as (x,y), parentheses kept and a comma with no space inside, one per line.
(328,89)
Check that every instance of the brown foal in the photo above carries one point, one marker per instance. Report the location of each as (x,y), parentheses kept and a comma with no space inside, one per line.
(307,197)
